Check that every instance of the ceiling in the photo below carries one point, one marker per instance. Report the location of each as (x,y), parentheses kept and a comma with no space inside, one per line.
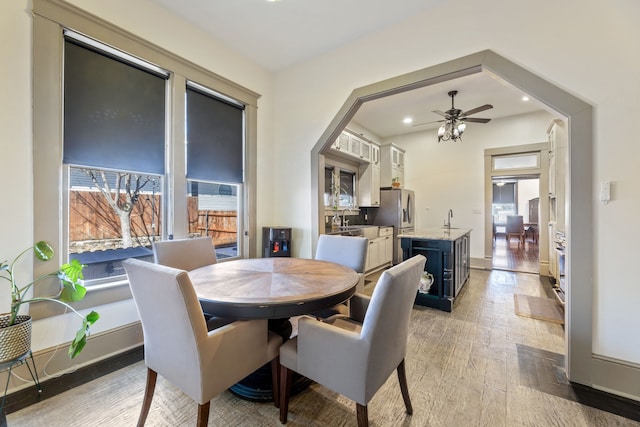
(283,33)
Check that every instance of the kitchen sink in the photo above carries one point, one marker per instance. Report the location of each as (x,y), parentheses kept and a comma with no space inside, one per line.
(368,231)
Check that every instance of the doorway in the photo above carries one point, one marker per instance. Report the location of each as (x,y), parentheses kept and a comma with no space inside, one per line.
(516,223)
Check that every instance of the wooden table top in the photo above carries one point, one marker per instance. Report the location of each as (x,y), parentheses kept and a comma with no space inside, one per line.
(269,288)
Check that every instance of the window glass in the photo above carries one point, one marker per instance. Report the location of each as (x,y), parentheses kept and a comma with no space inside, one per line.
(113,215)
(347,189)
(518,161)
(213,211)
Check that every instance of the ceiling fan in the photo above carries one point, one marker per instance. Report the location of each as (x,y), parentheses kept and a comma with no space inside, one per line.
(455,120)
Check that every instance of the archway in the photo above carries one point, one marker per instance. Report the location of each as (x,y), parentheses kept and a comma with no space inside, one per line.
(579,263)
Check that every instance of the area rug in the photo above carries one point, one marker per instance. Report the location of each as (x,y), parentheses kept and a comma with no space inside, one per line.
(538,308)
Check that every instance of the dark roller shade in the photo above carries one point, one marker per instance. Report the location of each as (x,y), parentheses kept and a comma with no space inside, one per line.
(114,112)
(214,138)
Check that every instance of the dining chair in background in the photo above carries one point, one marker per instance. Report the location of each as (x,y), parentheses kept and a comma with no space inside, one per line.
(185,254)
(355,355)
(189,254)
(515,227)
(349,251)
(178,346)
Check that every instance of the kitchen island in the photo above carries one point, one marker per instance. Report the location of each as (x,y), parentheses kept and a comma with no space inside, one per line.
(448,260)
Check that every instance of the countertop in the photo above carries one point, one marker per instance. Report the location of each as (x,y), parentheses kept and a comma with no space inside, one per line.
(436,233)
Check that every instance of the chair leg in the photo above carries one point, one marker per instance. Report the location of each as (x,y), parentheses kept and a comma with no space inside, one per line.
(275,375)
(285,392)
(402,379)
(363,416)
(203,415)
(152,376)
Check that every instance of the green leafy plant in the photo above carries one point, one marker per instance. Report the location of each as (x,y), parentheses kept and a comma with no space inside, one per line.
(70,276)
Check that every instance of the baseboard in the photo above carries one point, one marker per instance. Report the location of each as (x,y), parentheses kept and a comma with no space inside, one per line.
(480,264)
(616,377)
(54,362)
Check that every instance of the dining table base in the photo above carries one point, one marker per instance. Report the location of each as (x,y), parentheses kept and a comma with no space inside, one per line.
(258,386)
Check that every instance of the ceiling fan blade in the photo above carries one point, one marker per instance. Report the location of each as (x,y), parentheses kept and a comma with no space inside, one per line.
(428,123)
(475,120)
(441,113)
(476,110)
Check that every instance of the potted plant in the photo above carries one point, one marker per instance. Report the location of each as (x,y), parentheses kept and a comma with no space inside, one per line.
(395,182)
(13,324)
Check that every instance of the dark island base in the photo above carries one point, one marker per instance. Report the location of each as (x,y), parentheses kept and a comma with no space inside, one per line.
(434,301)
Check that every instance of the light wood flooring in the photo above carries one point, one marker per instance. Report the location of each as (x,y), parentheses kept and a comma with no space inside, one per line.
(481,365)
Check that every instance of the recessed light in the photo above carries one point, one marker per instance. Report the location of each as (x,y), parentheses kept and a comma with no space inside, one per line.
(525,98)
(407,120)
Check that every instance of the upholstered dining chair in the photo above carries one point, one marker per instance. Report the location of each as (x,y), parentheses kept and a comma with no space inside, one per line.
(185,254)
(178,346)
(350,251)
(189,254)
(515,227)
(354,356)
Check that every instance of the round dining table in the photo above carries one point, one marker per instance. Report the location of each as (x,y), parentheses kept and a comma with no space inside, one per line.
(275,289)
(272,288)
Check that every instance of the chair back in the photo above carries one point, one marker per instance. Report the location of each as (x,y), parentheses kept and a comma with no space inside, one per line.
(350,251)
(185,254)
(515,224)
(386,322)
(172,321)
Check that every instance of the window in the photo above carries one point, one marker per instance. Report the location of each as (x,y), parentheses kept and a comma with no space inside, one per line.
(113,215)
(213,211)
(114,117)
(148,157)
(339,187)
(516,161)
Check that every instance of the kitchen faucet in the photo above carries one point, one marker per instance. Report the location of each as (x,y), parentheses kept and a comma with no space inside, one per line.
(449,216)
(345,222)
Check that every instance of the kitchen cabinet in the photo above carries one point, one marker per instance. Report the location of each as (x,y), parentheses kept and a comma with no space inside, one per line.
(391,164)
(380,252)
(448,260)
(352,147)
(558,164)
(369,191)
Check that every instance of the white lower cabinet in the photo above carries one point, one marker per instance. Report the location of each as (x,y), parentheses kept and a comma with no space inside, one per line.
(380,253)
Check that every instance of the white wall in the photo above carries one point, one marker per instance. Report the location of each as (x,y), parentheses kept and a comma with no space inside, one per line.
(527,190)
(572,44)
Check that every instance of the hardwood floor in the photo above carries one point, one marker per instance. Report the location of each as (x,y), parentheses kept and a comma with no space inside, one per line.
(480,365)
(513,257)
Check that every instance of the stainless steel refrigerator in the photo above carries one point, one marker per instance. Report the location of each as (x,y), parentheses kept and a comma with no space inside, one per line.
(397,207)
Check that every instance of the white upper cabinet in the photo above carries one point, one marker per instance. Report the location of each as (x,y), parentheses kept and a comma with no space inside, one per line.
(391,165)
(352,147)
(370,179)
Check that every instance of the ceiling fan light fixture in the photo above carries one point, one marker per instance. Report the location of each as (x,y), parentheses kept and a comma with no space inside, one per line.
(454,123)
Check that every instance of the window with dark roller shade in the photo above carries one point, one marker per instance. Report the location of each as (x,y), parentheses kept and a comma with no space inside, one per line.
(215,138)
(114,112)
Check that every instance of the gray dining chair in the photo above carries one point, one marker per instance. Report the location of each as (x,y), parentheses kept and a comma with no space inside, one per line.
(185,254)
(354,356)
(189,254)
(349,251)
(178,346)
(515,227)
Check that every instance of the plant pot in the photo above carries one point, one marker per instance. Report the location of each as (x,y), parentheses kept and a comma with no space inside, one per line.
(15,340)
(395,184)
